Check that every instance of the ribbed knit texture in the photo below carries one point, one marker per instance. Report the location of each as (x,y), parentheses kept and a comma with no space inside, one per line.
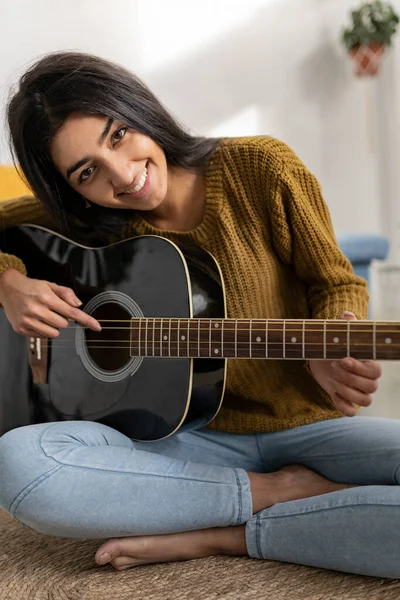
(270,231)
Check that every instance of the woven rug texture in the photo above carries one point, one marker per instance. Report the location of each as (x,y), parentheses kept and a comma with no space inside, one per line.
(38,567)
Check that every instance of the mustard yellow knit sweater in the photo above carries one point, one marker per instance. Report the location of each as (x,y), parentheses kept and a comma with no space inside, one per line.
(270,230)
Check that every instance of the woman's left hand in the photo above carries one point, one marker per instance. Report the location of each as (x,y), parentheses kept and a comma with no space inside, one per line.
(348,381)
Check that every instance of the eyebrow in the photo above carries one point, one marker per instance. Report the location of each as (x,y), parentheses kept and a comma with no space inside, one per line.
(86,159)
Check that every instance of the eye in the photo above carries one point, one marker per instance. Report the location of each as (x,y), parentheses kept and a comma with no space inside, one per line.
(119,134)
(85,174)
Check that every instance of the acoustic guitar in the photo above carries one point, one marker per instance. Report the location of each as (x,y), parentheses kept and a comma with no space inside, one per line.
(159,363)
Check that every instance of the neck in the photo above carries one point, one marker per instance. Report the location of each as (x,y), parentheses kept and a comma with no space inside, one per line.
(265,338)
(184,204)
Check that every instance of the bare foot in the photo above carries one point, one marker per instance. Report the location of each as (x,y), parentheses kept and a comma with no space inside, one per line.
(290,483)
(124,553)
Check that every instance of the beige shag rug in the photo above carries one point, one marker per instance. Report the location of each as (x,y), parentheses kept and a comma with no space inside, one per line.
(38,567)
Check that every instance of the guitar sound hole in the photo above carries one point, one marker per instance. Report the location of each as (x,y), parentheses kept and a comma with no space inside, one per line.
(109,348)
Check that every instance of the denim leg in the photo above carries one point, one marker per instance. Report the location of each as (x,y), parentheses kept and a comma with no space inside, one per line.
(85,480)
(354,530)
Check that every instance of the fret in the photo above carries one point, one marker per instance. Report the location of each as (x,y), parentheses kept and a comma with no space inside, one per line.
(140,339)
(154,336)
(161,336)
(169,337)
(222,338)
(146,334)
(236,339)
(284,339)
(198,336)
(266,339)
(250,340)
(209,338)
(304,340)
(374,340)
(324,339)
(348,338)
(188,337)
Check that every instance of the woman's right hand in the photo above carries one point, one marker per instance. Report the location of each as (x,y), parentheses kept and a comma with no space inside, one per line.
(37,308)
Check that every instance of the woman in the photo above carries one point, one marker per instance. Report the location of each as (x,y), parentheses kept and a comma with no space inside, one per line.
(286,471)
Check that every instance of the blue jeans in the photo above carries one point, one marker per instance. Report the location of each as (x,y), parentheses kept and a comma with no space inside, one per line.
(80,479)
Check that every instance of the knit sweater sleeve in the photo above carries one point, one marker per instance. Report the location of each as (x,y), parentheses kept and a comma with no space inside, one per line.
(303,237)
(26,209)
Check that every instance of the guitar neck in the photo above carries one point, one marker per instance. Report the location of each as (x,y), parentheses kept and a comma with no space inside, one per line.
(265,338)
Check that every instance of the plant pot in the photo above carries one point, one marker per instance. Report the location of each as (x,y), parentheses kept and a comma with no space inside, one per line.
(367,58)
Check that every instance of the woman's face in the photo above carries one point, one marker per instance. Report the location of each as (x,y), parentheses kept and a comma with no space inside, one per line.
(110,164)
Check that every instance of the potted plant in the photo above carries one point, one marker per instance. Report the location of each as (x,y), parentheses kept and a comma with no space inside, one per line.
(372,27)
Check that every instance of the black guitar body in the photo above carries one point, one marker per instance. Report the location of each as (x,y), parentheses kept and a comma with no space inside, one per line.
(144,398)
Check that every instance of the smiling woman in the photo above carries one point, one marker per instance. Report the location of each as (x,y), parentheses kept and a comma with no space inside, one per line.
(87,131)
(97,143)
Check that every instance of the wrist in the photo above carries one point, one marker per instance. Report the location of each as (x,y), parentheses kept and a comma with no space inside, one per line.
(7,276)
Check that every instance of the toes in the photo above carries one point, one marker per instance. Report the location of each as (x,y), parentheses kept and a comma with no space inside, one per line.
(110,550)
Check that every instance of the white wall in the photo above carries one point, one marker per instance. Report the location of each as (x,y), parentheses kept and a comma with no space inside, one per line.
(228,67)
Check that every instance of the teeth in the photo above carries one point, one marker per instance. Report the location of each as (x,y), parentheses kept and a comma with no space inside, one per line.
(141,183)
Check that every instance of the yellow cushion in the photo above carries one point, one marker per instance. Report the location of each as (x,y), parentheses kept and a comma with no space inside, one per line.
(11,185)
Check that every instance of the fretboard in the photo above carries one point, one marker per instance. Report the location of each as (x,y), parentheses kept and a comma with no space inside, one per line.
(264,338)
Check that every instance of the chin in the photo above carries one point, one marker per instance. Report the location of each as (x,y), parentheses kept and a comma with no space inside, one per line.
(149,205)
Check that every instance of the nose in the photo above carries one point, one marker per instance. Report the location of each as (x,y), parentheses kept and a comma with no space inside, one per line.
(122,174)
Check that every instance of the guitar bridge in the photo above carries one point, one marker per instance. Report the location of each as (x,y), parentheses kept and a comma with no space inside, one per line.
(38,359)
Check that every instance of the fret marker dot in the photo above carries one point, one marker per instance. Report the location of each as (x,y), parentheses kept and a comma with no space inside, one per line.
(258,339)
(294,340)
(336,340)
(216,351)
(216,325)
(183,337)
(165,337)
(388,340)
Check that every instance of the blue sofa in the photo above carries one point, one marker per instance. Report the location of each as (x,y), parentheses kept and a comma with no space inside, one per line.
(361,249)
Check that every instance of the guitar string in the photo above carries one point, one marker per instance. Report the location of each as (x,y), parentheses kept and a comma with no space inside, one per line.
(253,329)
(289,345)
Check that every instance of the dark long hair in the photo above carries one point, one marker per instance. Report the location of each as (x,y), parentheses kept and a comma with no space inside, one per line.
(64,83)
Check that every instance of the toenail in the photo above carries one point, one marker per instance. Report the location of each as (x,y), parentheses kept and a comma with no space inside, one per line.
(104,558)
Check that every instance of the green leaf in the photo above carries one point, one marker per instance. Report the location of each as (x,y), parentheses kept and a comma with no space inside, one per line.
(372,21)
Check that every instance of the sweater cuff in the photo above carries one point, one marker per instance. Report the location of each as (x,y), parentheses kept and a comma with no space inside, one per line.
(357,304)
(9,261)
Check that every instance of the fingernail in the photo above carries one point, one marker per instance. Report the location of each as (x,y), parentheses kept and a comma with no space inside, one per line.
(98,327)
(104,558)
(78,302)
(346,313)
